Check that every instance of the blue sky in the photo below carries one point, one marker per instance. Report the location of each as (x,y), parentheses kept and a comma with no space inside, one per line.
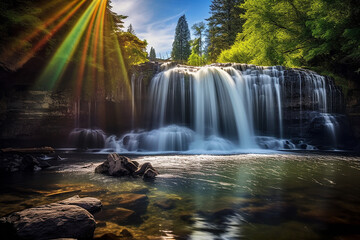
(155,20)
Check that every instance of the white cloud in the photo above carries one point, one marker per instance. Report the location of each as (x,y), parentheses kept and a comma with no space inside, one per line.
(158,33)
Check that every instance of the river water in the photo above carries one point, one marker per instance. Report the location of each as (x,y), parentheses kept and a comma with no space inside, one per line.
(247,196)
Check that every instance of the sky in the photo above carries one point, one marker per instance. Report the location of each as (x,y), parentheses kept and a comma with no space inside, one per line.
(155,20)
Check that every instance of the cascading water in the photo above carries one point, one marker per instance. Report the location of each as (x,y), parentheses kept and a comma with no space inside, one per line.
(87,138)
(225,108)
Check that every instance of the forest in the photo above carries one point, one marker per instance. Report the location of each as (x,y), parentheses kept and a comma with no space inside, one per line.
(322,35)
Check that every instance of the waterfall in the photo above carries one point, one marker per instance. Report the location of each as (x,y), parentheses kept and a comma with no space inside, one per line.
(228,107)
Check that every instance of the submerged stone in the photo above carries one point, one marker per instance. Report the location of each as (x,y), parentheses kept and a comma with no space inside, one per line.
(92,205)
(136,202)
(52,221)
(166,204)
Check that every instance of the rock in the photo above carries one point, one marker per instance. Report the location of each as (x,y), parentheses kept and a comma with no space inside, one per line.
(117,168)
(126,233)
(144,167)
(119,215)
(149,174)
(44,164)
(136,202)
(29,162)
(52,221)
(90,204)
(132,167)
(120,166)
(103,168)
(136,163)
(166,204)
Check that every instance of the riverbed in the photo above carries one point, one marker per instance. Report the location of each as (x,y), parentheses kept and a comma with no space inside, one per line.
(246,196)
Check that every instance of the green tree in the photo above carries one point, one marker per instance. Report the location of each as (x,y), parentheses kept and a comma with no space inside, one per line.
(152,54)
(316,33)
(181,45)
(223,24)
(131,29)
(199,29)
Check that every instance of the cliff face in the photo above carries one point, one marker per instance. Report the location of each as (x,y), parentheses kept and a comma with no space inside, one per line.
(39,117)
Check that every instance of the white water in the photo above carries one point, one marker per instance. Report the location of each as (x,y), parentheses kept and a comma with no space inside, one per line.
(219,109)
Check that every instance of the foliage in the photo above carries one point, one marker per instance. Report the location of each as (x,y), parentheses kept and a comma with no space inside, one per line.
(223,24)
(181,45)
(195,59)
(296,33)
(152,54)
(133,49)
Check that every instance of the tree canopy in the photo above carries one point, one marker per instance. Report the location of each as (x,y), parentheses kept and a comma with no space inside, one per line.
(223,25)
(152,55)
(299,33)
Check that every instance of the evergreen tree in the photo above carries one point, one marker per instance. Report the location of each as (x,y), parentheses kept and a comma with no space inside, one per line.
(131,29)
(199,29)
(152,55)
(224,24)
(181,45)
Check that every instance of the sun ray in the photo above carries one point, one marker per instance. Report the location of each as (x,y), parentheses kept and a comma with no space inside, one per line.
(59,61)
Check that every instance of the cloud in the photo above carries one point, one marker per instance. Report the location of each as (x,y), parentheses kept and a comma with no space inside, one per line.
(159,33)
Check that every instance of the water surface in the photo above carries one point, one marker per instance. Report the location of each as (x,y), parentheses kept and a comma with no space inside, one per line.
(248,196)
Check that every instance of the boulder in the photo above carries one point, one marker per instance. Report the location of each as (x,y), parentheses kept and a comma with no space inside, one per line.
(149,174)
(120,166)
(52,221)
(14,163)
(90,204)
(29,162)
(166,204)
(119,215)
(136,202)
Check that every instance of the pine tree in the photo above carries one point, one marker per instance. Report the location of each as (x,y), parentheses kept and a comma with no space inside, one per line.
(152,55)
(224,24)
(131,29)
(199,29)
(181,45)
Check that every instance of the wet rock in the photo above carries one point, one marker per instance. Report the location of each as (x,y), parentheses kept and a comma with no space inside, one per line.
(28,163)
(149,174)
(147,171)
(120,166)
(92,205)
(14,163)
(44,164)
(119,215)
(136,202)
(166,204)
(52,221)
(103,168)
(136,163)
